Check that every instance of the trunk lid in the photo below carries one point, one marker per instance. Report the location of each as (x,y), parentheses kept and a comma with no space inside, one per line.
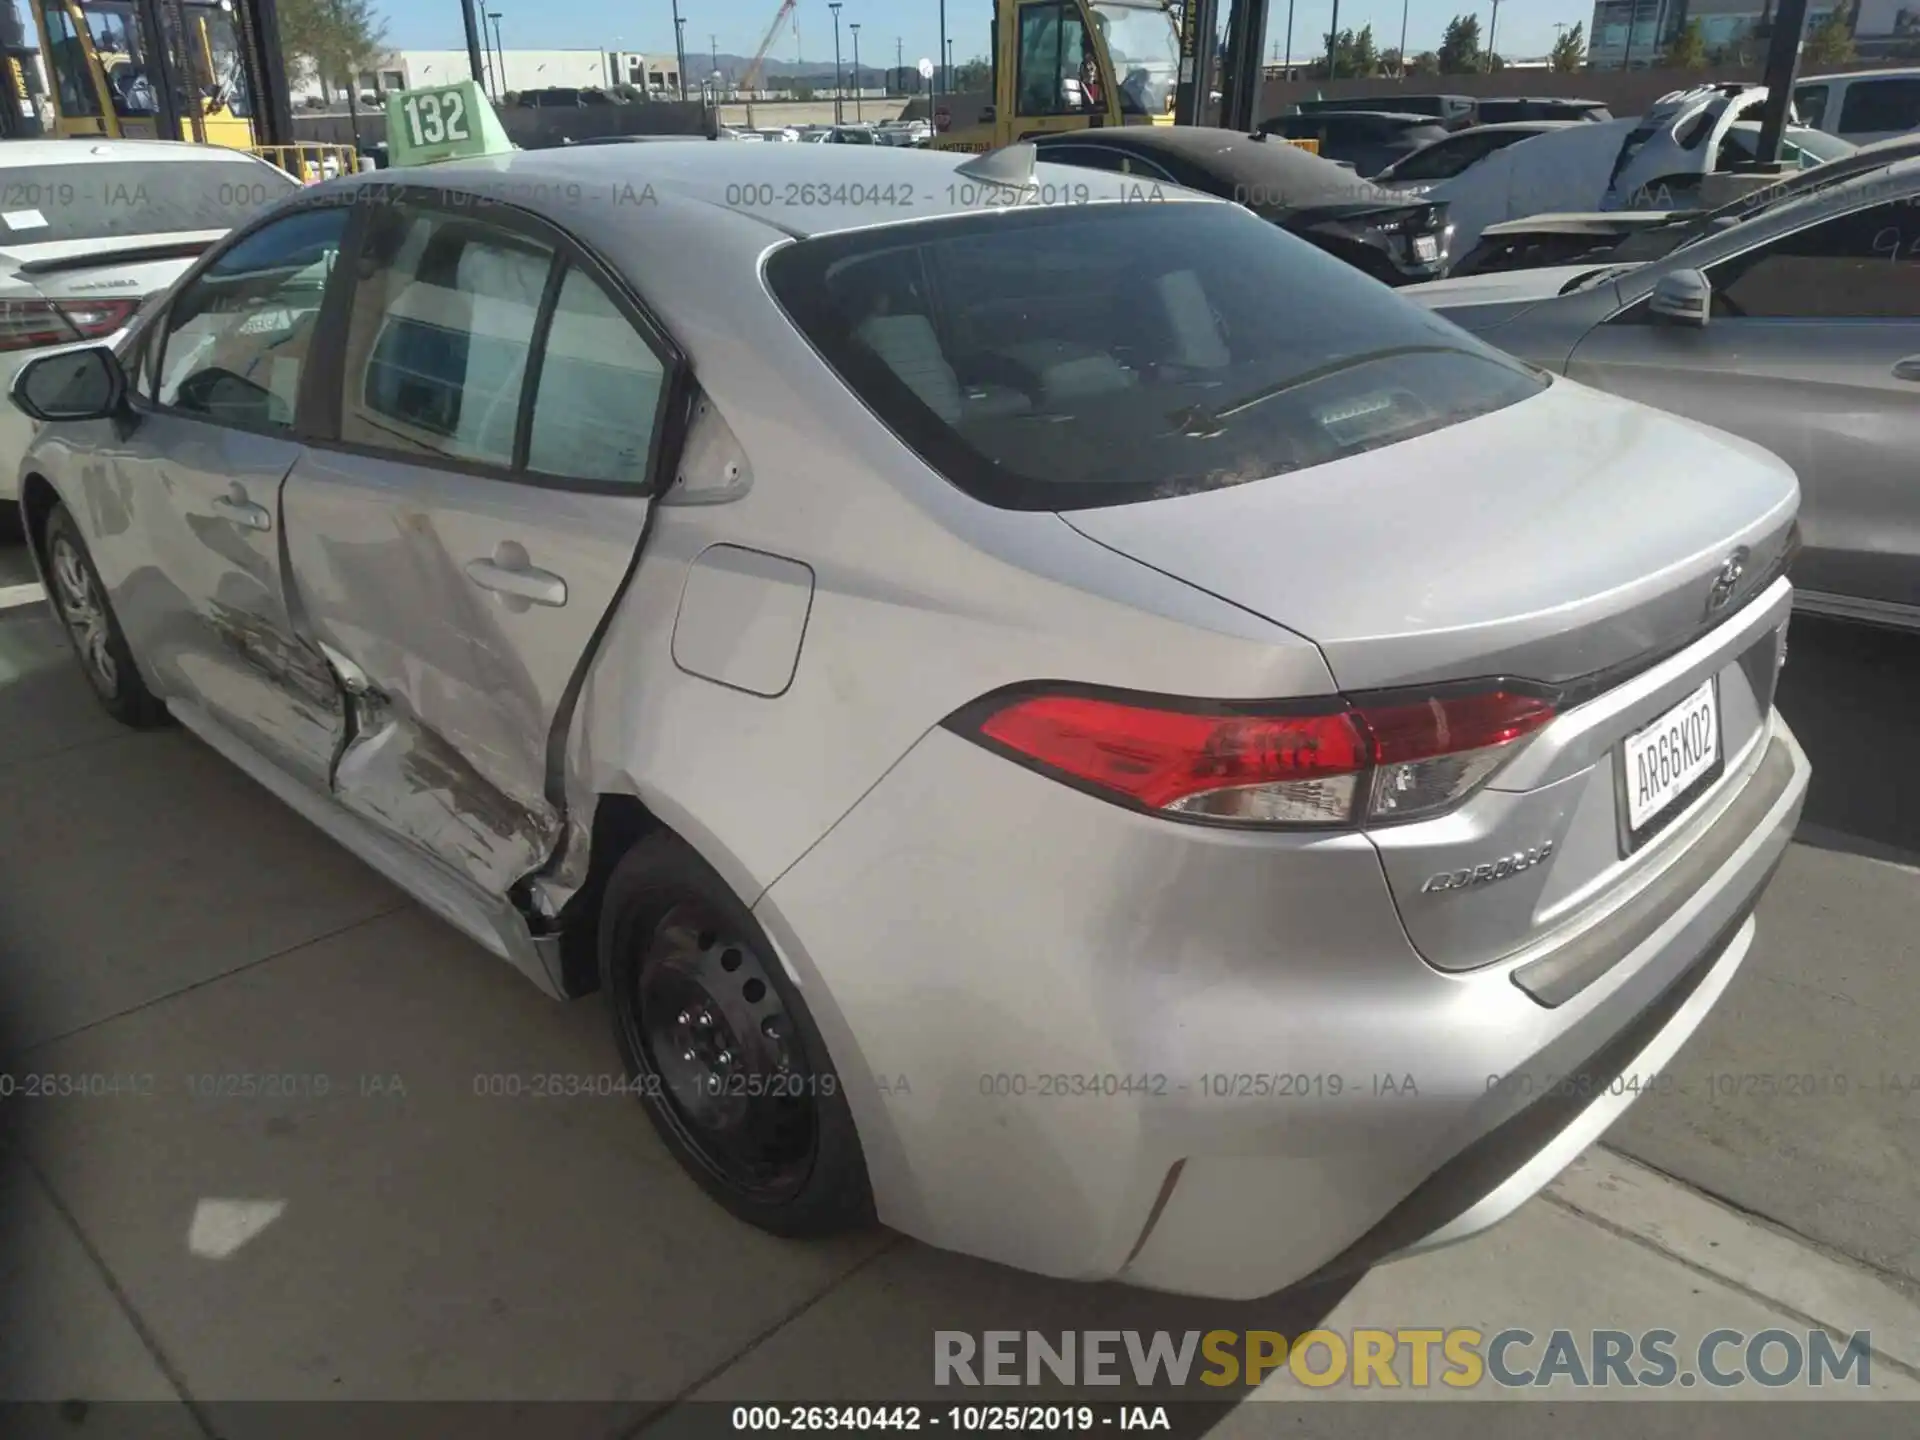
(1572,540)
(1548,540)
(93,286)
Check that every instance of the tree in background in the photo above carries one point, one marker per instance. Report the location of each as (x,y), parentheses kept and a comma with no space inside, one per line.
(1391,62)
(1688,50)
(1831,42)
(1570,50)
(1460,46)
(1356,56)
(1425,63)
(333,40)
(973,75)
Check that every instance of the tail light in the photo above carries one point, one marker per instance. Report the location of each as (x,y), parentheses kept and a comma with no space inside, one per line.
(34,324)
(1345,763)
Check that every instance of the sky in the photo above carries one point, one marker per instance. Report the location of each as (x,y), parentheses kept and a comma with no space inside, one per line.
(1526,26)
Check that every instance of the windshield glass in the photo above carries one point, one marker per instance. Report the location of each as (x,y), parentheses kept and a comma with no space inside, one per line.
(119,198)
(1085,355)
(1146,54)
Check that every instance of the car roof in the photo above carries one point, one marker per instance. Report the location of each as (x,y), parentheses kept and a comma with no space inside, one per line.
(1907,72)
(1236,162)
(20,153)
(1538,126)
(595,189)
(1412,117)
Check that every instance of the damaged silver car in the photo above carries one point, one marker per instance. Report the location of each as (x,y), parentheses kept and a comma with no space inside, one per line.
(1092,732)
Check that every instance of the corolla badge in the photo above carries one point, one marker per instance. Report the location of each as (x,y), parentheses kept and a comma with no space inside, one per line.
(1726,584)
(1489,871)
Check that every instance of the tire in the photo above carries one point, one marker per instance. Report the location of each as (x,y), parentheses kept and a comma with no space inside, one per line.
(728,1062)
(99,644)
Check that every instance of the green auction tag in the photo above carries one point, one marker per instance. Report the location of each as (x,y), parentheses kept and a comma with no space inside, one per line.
(442,122)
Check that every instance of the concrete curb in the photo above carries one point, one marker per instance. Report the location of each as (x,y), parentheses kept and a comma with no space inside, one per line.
(1620,1193)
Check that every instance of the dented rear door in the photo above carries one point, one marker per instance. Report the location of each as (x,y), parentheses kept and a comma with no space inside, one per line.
(456,544)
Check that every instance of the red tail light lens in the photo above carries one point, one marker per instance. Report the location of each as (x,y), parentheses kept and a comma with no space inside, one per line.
(34,324)
(1349,765)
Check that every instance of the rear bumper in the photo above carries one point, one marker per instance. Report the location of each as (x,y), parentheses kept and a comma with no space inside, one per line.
(1101,1046)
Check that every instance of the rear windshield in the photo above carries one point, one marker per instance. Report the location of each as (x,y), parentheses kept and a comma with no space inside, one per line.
(122,198)
(1075,356)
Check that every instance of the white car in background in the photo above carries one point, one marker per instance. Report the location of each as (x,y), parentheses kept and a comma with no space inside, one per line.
(89,230)
(1426,167)
(1655,162)
(1863,107)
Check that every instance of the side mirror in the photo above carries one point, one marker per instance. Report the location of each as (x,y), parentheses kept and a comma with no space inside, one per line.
(83,384)
(1681,297)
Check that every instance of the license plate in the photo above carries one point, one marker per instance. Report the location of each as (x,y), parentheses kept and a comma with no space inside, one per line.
(1666,760)
(1426,247)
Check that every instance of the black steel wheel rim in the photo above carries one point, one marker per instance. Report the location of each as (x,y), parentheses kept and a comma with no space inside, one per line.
(719,1048)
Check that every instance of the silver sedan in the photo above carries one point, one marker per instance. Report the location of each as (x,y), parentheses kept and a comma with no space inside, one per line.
(1057,714)
(1798,328)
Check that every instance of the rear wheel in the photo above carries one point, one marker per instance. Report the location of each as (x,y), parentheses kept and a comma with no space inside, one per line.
(81,602)
(728,1062)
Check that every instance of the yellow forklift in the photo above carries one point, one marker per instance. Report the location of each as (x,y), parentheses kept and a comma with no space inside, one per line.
(1084,64)
(190,70)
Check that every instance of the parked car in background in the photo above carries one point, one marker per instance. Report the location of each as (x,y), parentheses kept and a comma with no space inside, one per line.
(563,97)
(1623,235)
(844,135)
(1369,141)
(1454,153)
(1453,111)
(1656,162)
(1396,239)
(1864,106)
(1504,110)
(1798,328)
(963,680)
(90,229)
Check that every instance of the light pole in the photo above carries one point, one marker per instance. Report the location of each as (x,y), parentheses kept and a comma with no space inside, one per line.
(1493,28)
(858,115)
(949,66)
(942,81)
(838,112)
(500,52)
(1289,65)
(475,39)
(899,63)
(680,47)
(1333,42)
(1403,39)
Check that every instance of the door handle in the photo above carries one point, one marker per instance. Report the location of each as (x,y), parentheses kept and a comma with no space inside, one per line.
(1907,369)
(538,587)
(243,512)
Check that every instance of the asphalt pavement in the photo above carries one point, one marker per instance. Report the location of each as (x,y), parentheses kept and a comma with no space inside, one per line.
(377,1227)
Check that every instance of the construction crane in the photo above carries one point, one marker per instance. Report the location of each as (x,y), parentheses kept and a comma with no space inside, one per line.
(751,80)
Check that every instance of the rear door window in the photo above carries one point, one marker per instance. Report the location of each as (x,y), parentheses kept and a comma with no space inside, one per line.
(597,402)
(439,336)
(1102,354)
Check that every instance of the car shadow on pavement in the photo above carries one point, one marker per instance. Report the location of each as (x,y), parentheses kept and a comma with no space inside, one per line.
(1850,692)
